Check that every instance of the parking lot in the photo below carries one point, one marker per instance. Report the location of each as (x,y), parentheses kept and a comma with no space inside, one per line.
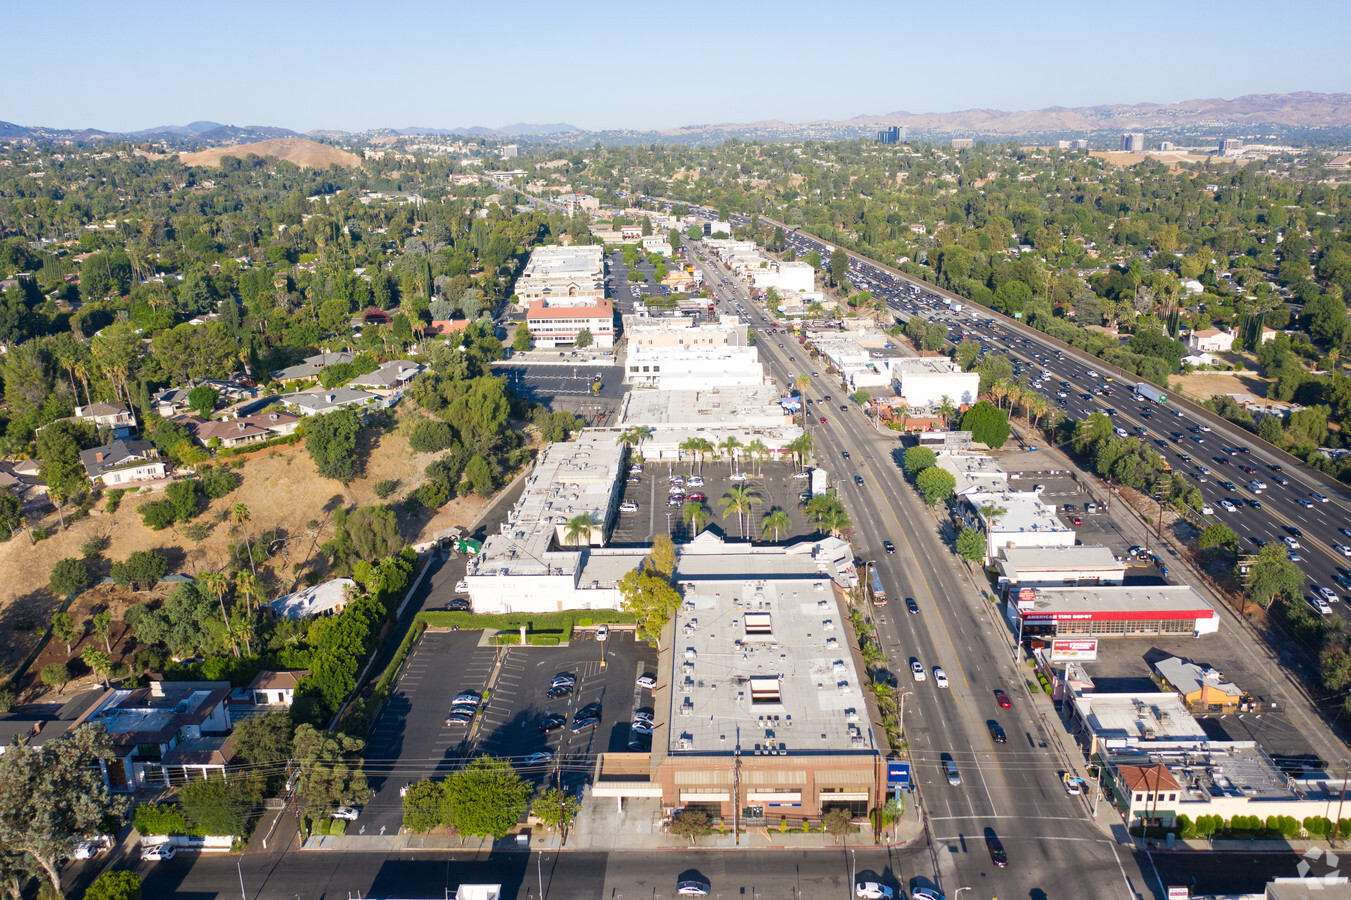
(1124,666)
(566,385)
(509,725)
(772,482)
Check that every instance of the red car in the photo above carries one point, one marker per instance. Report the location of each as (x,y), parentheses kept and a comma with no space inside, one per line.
(1002,699)
(1076,520)
(823,420)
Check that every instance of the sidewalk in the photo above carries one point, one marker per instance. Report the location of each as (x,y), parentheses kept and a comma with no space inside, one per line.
(601,826)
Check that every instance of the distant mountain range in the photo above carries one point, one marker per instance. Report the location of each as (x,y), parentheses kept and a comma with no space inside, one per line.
(1248,114)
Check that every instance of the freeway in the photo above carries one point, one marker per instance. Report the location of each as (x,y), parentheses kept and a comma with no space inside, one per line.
(1009,790)
(1288,501)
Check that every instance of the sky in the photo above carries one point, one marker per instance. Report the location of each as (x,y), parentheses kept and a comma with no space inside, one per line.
(602,65)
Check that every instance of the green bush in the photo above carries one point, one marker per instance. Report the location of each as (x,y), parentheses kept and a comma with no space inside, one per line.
(505,638)
(217,481)
(254,448)
(543,640)
(114,499)
(158,514)
(161,819)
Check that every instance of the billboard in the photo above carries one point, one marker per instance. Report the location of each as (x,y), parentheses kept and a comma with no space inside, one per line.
(1065,650)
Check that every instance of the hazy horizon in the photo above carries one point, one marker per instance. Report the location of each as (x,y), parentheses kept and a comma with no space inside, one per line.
(408,63)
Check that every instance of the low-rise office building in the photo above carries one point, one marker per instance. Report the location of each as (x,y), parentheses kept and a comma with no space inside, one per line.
(552,324)
(1014,520)
(562,276)
(691,368)
(926,381)
(1034,567)
(973,472)
(1111,611)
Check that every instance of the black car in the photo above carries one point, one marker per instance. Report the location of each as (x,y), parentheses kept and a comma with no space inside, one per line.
(1294,532)
(459,605)
(997,854)
(911,605)
(552,722)
(591,709)
(890,547)
(561,690)
(997,732)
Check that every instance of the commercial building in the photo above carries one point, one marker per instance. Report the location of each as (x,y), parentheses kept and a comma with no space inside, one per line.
(690,368)
(973,472)
(1202,688)
(553,325)
(962,143)
(1014,520)
(1111,611)
(749,414)
(1133,142)
(896,134)
(761,711)
(786,278)
(859,366)
(563,276)
(683,332)
(926,381)
(1024,567)
(1129,720)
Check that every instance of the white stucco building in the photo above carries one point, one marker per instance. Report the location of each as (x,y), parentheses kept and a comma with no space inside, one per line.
(925,381)
(691,368)
(1015,520)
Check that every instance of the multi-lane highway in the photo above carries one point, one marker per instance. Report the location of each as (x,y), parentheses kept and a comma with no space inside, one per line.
(1009,790)
(1292,505)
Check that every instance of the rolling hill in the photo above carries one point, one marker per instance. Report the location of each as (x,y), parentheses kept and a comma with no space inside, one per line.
(304,153)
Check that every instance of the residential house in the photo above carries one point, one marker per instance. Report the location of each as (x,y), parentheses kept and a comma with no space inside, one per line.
(392,376)
(231,433)
(35,725)
(329,598)
(439,327)
(172,402)
(312,367)
(1210,340)
(123,462)
(269,691)
(164,734)
(115,416)
(24,480)
(322,402)
(1200,687)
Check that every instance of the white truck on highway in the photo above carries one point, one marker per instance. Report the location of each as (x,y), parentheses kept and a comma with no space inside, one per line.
(1149,392)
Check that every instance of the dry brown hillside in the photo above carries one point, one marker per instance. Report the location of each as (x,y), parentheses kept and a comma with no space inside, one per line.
(300,151)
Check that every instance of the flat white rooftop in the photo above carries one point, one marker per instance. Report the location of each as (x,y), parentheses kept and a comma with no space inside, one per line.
(764,661)
(1023,512)
(1117,599)
(712,408)
(1016,561)
(1139,717)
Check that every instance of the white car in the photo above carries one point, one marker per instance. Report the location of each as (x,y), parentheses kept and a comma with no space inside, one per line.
(871,890)
(91,847)
(696,481)
(159,852)
(1328,594)
(692,888)
(738,476)
(346,813)
(1291,542)
(1321,605)
(1228,507)
(940,677)
(461,587)
(1342,549)
(1319,497)
(917,670)
(628,506)
(801,475)
(647,682)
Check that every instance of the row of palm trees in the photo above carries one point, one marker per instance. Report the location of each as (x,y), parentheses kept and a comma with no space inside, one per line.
(696,448)
(1032,403)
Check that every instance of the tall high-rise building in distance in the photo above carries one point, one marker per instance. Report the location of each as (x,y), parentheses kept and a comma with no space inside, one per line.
(1133,142)
(896,134)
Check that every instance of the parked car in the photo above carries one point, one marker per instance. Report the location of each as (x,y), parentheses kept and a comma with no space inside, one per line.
(1074,785)
(158,852)
(462,586)
(647,681)
(872,890)
(552,722)
(692,888)
(539,758)
(347,813)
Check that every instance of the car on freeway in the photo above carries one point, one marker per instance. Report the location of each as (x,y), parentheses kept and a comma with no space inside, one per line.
(1327,594)
(1307,504)
(889,546)
(1255,504)
(917,670)
(1002,699)
(1319,497)
(1342,549)
(1293,556)
(1291,542)
(1321,605)
(1227,506)
(940,677)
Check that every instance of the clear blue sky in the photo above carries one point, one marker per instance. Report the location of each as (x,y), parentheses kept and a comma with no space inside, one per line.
(445,63)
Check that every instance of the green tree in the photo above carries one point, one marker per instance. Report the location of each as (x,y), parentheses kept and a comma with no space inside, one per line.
(739,500)
(217,806)
(839,266)
(521,342)
(971,545)
(651,599)
(11,512)
(936,485)
(966,354)
(118,884)
(423,804)
(917,459)
(332,442)
(662,556)
(836,822)
(55,675)
(775,522)
(479,473)
(988,424)
(69,576)
(102,625)
(328,770)
(53,794)
(1218,537)
(556,809)
(265,739)
(202,400)
(65,630)
(695,515)
(691,824)
(486,797)
(584,339)
(58,448)
(1273,575)
(98,662)
(579,529)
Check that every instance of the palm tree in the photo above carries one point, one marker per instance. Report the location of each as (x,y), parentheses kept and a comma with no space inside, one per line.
(695,514)
(218,583)
(775,520)
(579,527)
(992,512)
(731,445)
(702,446)
(690,446)
(739,500)
(946,408)
(757,450)
(801,448)
(240,515)
(903,410)
(250,587)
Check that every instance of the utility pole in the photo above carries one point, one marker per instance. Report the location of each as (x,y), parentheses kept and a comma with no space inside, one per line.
(736,790)
(1337,826)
